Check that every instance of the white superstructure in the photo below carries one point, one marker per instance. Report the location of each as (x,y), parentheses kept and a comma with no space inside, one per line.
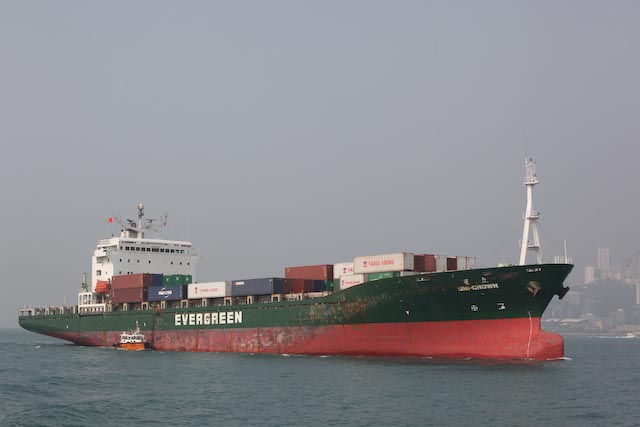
(132,253)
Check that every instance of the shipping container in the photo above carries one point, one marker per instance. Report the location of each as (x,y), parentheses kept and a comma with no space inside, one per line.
(297,286)
(441,263)
(352,280)
(424,263)
(381,263)
(429,262)
(331,285)
(379,276)
(156,279)
(293,286)
(342,269)
(208,290)
(471,262)
(461,263)
(167,293)
(177,279)
(311,272)
(452,263)
(129,281)
(270,285)
(128,295)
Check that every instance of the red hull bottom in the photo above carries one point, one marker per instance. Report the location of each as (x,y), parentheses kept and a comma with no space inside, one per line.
(485,339)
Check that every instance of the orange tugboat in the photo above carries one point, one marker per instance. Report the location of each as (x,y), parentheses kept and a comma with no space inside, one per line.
(132,340)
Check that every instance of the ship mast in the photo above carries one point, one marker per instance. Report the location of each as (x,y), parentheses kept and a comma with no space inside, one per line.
(530,217)
(133,230)
(140,216)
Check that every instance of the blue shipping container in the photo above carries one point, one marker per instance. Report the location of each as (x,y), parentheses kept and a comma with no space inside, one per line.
(156,280)
(267,286)
(319,286)
(167,293)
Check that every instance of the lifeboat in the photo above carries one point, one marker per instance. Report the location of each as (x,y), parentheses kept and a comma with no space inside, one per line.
(102,287)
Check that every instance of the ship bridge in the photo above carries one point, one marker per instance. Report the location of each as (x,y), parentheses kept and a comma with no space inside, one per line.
(132,253)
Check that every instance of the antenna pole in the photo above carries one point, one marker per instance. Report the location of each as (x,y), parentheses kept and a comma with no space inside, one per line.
(140,216)
(530,217)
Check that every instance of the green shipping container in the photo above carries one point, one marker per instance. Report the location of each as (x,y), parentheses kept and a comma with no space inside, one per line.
(330,285)
(379,276)
(177,279)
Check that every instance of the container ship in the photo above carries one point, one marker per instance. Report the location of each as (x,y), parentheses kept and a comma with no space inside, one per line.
(397,304)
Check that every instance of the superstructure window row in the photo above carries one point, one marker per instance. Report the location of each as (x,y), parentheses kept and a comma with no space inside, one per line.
(161,250)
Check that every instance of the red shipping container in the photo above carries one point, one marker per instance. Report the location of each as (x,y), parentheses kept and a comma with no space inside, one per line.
(129,281)
(294,286)
(119,296)
(429,262)
(312,272)
(297,286)
(452,263)
(424,263)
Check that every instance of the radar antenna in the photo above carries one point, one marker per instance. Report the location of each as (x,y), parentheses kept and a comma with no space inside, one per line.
(133,230)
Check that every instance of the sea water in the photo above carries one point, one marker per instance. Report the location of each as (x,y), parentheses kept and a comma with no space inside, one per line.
(47,382)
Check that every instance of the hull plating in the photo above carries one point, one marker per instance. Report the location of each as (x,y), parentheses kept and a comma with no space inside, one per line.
(484,313)
(495,339)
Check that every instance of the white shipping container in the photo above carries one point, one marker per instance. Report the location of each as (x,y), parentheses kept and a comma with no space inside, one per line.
(352,280)
(471,262)
(342,269)
(441,263)
(207,290)
(382,263)
(461,263)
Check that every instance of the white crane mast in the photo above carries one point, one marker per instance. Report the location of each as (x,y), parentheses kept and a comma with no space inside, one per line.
(530,217)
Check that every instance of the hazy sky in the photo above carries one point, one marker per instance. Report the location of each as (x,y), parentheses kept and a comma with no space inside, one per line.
(287,133)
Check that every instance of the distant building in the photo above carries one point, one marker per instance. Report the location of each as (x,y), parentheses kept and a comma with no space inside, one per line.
(590,274)
(604,262)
